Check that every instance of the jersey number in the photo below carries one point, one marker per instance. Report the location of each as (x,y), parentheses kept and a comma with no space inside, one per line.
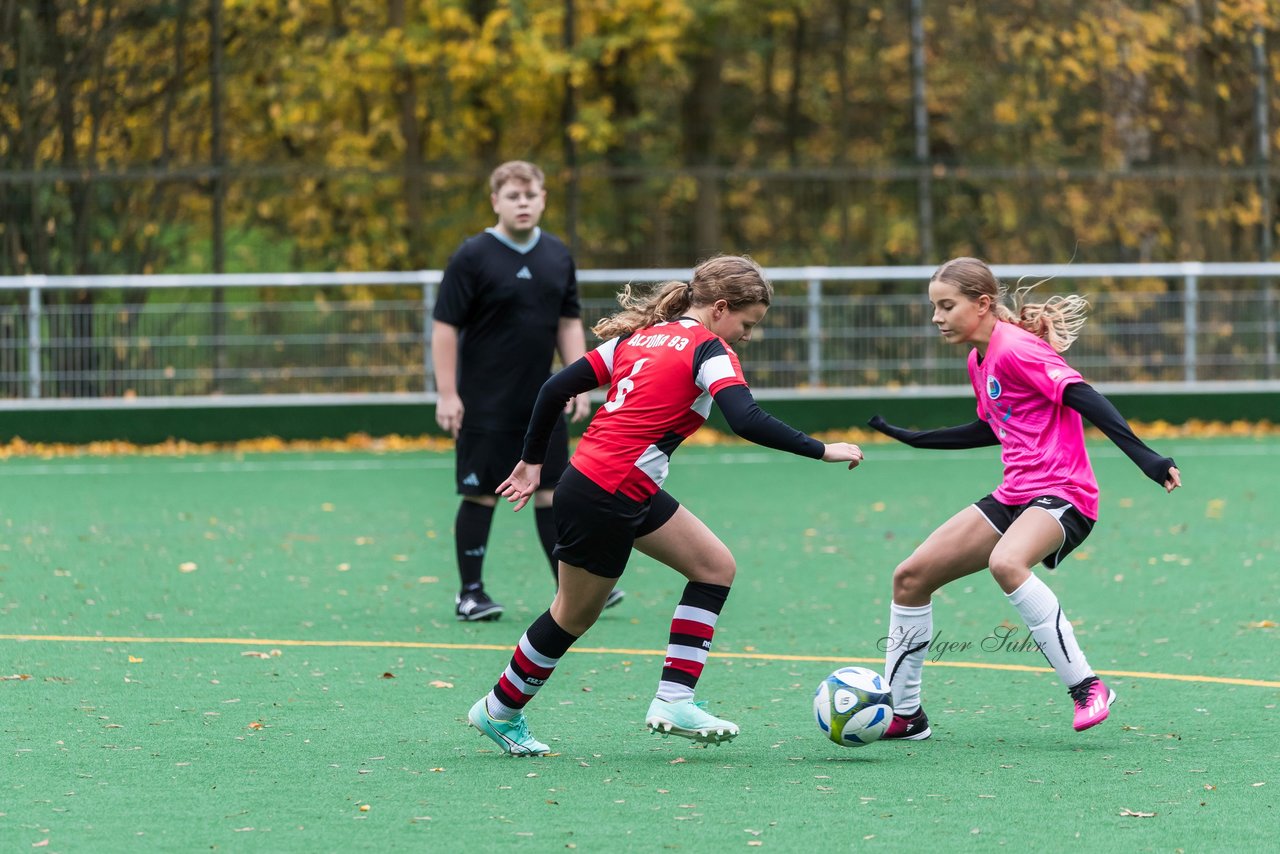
(625,385)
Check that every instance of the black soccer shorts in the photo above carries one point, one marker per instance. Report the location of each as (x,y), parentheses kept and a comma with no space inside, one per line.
(1075,525)
(484,458)
(597,529)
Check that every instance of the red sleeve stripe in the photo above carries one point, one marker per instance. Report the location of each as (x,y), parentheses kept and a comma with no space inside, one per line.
(725,383)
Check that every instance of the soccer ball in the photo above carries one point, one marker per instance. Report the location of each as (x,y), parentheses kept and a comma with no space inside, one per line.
(853,706)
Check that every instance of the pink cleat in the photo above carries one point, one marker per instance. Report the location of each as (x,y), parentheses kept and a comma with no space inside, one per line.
(1093,701)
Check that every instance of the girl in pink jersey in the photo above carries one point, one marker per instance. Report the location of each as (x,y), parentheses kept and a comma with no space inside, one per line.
(667,356)
(1030,403)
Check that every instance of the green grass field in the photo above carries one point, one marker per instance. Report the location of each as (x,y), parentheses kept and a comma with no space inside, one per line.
(260,654)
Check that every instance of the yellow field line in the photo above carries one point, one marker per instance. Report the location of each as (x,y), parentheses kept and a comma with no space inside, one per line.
(756,656)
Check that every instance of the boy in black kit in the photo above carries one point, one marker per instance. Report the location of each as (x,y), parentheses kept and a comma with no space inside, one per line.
(508,303)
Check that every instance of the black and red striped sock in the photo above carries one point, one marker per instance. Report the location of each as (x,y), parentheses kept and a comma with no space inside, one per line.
(692,627)
(537,654)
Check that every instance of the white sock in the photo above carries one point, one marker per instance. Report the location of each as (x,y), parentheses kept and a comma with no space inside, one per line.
(1051,630)
(910,631)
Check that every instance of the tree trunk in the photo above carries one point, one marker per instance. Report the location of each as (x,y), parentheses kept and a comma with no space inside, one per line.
(411,131)
(700,114)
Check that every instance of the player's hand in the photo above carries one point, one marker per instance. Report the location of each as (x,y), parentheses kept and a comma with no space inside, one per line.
(842,452)
(875,422)
(1174,480)
(578,407)
(520,485)
(449,414)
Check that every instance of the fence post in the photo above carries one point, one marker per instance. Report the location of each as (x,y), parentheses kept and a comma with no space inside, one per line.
(815,331)
(428,364)
(33,341)
(1190,324)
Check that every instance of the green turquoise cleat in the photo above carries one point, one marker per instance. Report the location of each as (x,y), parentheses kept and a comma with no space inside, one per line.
(512,736)
(688,719)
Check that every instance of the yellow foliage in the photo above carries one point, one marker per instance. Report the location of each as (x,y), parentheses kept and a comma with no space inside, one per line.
(337,89)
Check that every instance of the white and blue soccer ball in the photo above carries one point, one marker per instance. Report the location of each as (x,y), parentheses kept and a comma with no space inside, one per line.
(853,706)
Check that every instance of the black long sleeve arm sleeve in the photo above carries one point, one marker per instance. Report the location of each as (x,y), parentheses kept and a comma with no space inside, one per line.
(575,379)
(748,420)
(1102,413)
(977,434)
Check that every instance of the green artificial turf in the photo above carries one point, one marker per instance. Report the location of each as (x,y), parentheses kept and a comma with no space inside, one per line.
(225,653)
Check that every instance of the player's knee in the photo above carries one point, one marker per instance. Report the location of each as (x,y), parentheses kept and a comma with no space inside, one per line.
(722,569)
(910,582)
(575,617)
(1006,569)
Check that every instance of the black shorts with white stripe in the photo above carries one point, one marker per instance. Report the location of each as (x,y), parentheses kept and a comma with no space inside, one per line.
(1075,525)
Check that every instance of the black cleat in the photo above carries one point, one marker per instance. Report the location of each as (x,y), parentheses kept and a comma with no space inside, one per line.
(475,606)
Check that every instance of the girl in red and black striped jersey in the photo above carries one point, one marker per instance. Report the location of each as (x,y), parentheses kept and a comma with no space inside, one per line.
(666,357)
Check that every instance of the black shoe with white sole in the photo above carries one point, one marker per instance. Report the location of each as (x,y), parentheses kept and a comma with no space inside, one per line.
(475,606)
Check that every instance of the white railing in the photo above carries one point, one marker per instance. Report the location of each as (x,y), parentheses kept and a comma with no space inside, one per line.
(306,338)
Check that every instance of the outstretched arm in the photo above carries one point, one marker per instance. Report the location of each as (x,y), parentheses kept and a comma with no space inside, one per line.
(976,434)
(748,420)
(1102,413)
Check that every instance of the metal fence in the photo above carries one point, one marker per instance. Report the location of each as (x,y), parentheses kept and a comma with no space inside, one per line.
(102,341)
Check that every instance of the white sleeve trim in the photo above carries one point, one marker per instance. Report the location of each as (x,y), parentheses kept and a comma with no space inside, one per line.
(713,370)
(606,351)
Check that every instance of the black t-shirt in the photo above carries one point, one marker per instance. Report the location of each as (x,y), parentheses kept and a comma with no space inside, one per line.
(507,306)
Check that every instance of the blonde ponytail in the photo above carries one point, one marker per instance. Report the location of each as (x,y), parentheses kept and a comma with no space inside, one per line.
(666,301)
(736,279)
(1057,320)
